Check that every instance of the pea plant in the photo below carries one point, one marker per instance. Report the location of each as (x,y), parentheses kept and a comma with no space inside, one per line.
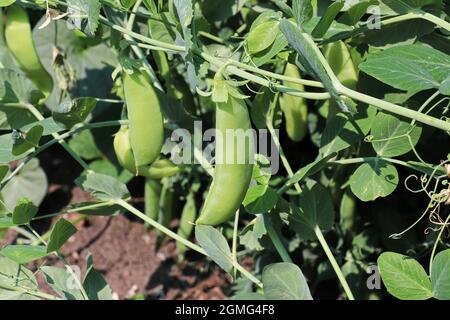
(353,95)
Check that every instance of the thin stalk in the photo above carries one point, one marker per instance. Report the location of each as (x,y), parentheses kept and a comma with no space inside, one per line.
(334,263)
(177,237)
(396,109)
(37,294)
(276,240)
(234,243)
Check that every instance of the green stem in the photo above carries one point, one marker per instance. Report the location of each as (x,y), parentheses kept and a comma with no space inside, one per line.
(334,263)
(393,108)
(177,237)
(276,239)
(436,20)
(37,294)
(234,243)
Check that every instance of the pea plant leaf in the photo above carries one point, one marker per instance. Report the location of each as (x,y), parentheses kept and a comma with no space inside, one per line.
(60,233)
(62,282)
(310,169)
(302,11)
(6,3)
(260,199)
(315,209)
(327,19)
(72,112)
(15,88)
(31,182)
(252,233)
(23,142)
(103,187)
(440,275)
(11,273)
(90,8)
(392,136)
(95,284)
(215,245)
(392,7)
(48,124)
(262,36)
(23,254)
(404,277)
(24,211)
(285,281)
(373,179)
(409,67)
(356,12)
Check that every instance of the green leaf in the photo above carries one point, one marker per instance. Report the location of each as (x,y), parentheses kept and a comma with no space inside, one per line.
(285,281)
(72,112)
(6,222)
(216,11)
(356,12)
(30,182)
(302,11)
(316,209)
(248,296)
(404,277)
(440,275)
(26,141)
(406,6)
(12,274)
(127,4)
(94,284)
(406,68)
(90,8)
(339,134)
(103,187)
(373,179)
(24,253)
(24,211)
(48,124)
(15,88)
(4,169)
(61,232)
(253,232)
(185,11)
(62,282)
(260,199)
(327,19)
(262,36)
(6,3)
(215,245)
(84,145)
(445,87)
(310,169)
(390,135)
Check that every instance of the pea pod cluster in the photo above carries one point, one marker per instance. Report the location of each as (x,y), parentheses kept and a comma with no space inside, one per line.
(20,42)
(231,178)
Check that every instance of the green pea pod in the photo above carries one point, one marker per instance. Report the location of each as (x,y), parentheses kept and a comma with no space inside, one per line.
(187,218)
(159,169)
(165,204)
(231,180)
(146,120)
(20,42)
(295,109)
(152,194)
